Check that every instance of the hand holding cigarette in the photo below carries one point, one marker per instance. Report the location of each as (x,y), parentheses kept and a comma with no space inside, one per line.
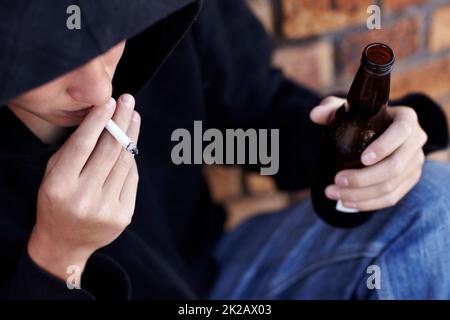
(121,137)
(88,193)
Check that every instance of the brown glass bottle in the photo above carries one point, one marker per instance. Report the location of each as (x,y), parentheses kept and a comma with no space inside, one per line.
(357,123)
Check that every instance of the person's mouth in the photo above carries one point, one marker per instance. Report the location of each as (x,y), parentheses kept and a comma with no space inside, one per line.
(77,113)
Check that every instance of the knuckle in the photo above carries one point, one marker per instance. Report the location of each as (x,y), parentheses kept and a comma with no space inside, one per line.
(424,138)
(51,162)
(104,215)
(411,114)
(418,160)
(347,196)
(81,207)
(391,199)
(101,218)
(355,182)
(105,207)
(364,207)
(126,220)
(396,165)
(418,175)
(352,178)
(387,187)
(421,157)
(53,191)
(405,126)
(120,221)
(380,148)
(328,99)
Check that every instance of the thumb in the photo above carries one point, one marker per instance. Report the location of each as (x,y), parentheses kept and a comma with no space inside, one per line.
(325,111)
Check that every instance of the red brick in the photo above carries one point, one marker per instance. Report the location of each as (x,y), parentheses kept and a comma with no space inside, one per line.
(432,77)
(403,35)
(445,103)
(398,5)
(224,182)
(439,36)
(309,64)
(302,18)
(263,10)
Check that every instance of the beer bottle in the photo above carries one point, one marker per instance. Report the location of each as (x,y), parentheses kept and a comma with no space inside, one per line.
(357,123)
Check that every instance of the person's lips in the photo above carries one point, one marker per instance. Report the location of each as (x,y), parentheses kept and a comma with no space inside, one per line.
(78,113)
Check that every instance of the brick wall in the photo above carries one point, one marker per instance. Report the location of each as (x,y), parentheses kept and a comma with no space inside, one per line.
(318,43)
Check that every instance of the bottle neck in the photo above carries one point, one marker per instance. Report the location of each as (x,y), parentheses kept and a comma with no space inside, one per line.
(369,93)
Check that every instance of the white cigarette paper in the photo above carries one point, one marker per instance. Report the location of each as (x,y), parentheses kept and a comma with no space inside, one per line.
(121,137)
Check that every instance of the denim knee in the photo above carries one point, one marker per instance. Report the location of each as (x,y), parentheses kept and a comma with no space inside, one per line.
(431,192)
(416,264)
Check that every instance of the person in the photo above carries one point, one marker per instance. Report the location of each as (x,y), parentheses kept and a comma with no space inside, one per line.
(80,218)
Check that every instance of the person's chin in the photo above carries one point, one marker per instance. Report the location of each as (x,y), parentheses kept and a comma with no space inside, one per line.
(68,122)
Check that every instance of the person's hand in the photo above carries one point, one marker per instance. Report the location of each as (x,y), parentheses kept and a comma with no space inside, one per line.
(87,196)
(393,162)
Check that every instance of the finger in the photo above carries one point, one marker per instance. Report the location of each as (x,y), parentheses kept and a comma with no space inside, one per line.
(405,121)
(77,149)
(129,190)
(108,148)
(324,113)
(378,190)
(391,167)
(52,161)
(115,181)
(388,200)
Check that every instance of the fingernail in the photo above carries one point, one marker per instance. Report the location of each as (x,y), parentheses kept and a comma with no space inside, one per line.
(127,100)
(111,103)
(369,157)
(342,181)
(135,116)
(332,192)
(350,205)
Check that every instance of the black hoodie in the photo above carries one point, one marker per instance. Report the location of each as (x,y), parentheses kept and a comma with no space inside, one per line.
(217,71)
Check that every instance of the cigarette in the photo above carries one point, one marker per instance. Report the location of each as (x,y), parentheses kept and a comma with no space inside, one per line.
(120,136)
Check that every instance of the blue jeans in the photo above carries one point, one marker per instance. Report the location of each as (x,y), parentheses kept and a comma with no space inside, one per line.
(292,254)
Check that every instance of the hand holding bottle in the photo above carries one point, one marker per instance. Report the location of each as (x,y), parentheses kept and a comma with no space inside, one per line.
(393,162)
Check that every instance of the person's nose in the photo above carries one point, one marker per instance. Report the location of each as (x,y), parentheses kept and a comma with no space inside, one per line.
(91,84)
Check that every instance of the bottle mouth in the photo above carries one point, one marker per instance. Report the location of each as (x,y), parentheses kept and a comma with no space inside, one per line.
(378,58)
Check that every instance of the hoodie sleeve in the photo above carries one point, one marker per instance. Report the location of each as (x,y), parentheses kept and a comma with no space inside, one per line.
(432,119)
(102,279)
(244,91)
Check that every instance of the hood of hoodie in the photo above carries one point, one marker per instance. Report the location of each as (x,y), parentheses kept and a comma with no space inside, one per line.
(36,46)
